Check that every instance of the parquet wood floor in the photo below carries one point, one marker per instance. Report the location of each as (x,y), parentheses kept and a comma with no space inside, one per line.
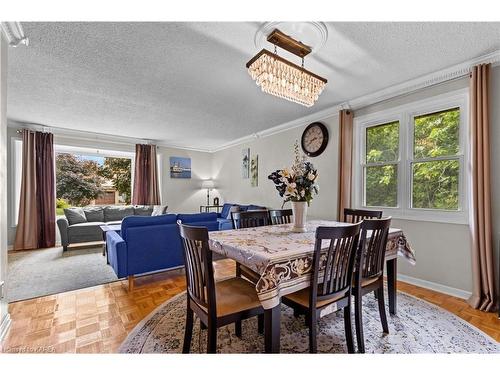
(97,319)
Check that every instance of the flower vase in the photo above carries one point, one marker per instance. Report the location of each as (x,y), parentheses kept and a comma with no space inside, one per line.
(299,216)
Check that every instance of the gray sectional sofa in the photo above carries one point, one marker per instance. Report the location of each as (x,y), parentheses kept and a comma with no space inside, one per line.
(82,224)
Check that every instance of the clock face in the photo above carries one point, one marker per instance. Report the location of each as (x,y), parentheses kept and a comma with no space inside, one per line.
(315,139)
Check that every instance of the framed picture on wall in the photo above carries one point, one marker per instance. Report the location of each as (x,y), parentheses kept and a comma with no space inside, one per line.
(254,171)
(180,167)
(245,162)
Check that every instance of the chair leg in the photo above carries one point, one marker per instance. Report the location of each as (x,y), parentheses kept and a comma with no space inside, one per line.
(313,346)
(348,328)
(296,313)
(381,309)
(375,292)
(260,323)
(238,270)
(237,328)
(188,332)
(212,338)
(358,319)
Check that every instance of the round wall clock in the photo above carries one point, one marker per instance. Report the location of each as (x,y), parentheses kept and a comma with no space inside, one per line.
(314,139)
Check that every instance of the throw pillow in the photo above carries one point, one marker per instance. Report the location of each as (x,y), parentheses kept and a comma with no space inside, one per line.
(143,210)
(159,210)
(94,214)
(231,210)
(75,215)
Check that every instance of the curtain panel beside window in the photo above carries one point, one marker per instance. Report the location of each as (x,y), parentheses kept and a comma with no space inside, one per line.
(37,216)
(345,161)
(146,186)
(483,274)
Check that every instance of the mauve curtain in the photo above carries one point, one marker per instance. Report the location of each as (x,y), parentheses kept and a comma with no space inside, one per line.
(483,295)
(146,190)
(36,221)
(345,161)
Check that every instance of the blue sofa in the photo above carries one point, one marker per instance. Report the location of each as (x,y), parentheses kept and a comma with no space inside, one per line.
(224,217)
(146,244)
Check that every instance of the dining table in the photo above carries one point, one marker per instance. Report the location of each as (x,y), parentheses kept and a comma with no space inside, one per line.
(283,259)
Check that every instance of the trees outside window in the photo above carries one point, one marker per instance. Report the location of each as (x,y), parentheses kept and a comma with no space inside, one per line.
(80,179)
(411,159)
(436,163)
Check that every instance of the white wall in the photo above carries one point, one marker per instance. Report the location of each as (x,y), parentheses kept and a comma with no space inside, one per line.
(4,317)
(181,195)
(276,152)
(443,250)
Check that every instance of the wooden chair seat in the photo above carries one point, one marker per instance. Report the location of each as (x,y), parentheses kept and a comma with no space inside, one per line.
(367,282)
(235,295)
(301,297)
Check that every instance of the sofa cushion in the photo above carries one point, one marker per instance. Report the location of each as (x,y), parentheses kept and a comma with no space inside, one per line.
(196,218)
(225,210)
(225,224)
(159,210)
(85,232)
(143,210)
(114,213)
(94,213)
(75,215)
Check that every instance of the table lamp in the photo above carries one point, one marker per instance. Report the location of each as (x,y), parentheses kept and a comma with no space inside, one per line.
(209,185)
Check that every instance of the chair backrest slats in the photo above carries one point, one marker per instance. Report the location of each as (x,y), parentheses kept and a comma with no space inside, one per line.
(336,264)
(352,215)
(281,216)
(372,246)
(250,219)
(199,267)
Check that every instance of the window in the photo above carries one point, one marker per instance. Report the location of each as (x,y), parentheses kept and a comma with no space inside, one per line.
(91,177)
(436,162)
(381,165)
(410,160)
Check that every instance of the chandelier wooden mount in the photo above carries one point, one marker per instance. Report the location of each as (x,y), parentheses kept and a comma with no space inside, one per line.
(286,42)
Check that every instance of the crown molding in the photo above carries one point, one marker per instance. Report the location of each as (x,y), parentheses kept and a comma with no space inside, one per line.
(404,88)
(14,33)
(91,136)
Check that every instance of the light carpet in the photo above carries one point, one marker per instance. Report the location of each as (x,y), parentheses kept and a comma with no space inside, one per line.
(418,327)
(42,272)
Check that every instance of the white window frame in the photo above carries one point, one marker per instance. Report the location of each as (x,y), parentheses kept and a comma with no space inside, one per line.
(405,115)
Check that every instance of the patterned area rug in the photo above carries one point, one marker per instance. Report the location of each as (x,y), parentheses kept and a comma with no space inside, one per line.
(419,327)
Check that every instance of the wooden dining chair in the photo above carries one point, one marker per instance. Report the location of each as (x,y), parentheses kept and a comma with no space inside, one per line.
(281,216)
(250,219)
(215,303)
(334,289)
(369,272)
(352,215)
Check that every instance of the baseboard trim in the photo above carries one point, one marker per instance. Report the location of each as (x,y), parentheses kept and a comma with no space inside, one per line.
(459,293)
(4,327)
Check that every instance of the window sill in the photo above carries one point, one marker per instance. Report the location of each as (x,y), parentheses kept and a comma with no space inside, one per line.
(446,217)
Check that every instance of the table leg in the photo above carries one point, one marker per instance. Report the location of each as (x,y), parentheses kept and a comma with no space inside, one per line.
(104,245)
(272,329)
(392,271)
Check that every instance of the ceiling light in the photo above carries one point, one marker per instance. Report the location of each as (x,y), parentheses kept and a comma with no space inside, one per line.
(279,77)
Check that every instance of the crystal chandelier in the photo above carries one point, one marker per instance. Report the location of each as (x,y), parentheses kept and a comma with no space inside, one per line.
(279,77)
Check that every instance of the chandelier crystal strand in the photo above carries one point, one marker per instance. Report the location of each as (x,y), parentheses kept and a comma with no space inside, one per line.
(286,81)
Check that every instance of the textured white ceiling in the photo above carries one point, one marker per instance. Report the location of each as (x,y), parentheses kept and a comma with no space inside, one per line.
(186,83)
